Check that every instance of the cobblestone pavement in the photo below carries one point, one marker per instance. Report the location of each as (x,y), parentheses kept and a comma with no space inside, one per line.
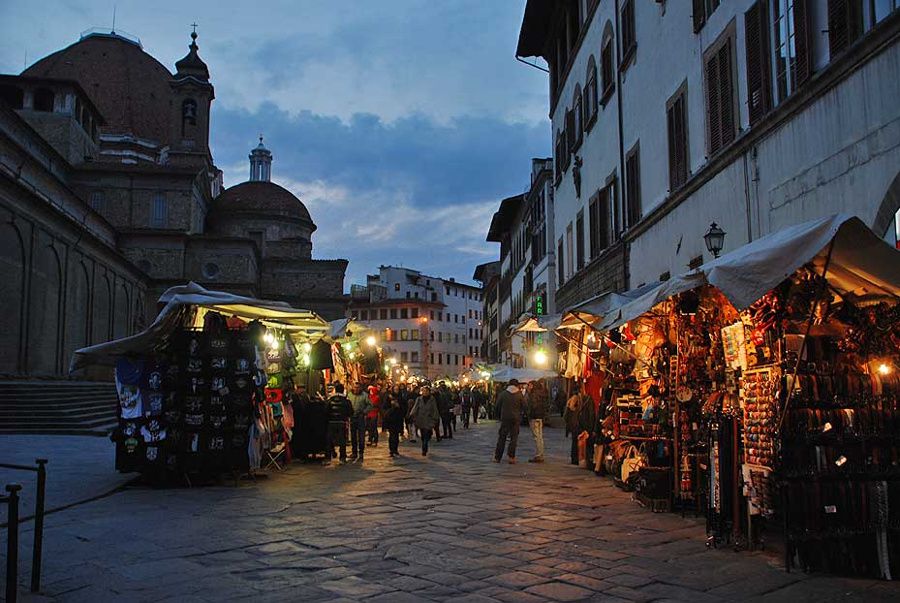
(453,526)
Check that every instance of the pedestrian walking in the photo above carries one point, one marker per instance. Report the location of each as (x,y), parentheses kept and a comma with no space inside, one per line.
(537,413)
(338,413)
(408,400)
(372,415)
(477,402)
(394,416)
(445,407)
(426,416)
(456,410)
(466,406)
(510,404)
(361,406)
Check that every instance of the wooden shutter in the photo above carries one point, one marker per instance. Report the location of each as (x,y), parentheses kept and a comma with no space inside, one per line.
(726,94)
(844,24)
(571,136)
(604,219)
(579,241)
(670,131)
(632,190)
(802,41)
(759,95)
(712,104)
(699,15)
(593,211)
(677,134)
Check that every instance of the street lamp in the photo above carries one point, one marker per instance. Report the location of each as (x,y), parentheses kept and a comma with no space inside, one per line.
(715,239)
(371,341)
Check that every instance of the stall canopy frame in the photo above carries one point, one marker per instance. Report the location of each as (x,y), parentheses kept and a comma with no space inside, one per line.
(303,325)
(863,268)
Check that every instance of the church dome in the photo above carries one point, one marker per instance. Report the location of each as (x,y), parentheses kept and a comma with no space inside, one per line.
(129,87)
(260,198)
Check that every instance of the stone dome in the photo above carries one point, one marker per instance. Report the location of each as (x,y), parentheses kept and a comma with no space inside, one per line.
(262,199)
(129,87)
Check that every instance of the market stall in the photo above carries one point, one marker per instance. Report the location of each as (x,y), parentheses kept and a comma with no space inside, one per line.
(763,388)
(205,388)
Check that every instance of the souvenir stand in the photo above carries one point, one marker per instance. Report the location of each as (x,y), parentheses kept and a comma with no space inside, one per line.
(204,390)
(781,360)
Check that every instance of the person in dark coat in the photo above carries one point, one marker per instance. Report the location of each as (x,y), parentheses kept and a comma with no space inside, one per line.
(465,395)
(394,415)
(445,407)
(510,404)
(426,416)
(339,412)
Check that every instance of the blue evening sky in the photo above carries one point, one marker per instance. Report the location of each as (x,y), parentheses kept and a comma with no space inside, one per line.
(400,123)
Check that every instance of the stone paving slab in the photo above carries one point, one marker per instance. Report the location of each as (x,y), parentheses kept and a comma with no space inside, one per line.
(449,527)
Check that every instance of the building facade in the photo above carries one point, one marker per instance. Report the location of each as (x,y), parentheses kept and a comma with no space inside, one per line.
(668,116)
(524,227)
(488,274)
(109,195)
(430,324)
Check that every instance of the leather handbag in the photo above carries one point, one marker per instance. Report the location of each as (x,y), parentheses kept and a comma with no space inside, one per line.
(632,462)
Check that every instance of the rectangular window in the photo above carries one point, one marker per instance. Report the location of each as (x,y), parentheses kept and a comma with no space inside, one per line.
(633,186)
(404,335)
(607,70)
(570,252)
(440,317)
(431,335)
(396,286)
(414,313)
(388,335)
(456,338)
(413,356)
(600,214)
(431,358)
(571,137)
(720,102)
(431,314)
(440,336)
(579,240)
(629,38)
(456,318)
(393,313)
(676,124)
(702,9)
(414,334)
(404,357)
(382,314)
(845,24)
(440,359)
(364,315)
(561,274)
(756,28)
(159,211)
(404,313)
(408,295)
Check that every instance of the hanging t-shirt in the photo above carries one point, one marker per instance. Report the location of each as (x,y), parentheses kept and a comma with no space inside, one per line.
(128,387)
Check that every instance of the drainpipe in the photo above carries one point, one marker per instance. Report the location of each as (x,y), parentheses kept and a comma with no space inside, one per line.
(621,178)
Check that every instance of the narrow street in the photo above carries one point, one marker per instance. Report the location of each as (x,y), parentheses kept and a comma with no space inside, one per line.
(454,526)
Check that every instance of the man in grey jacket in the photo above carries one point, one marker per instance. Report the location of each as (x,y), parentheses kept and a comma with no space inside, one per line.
(510,403)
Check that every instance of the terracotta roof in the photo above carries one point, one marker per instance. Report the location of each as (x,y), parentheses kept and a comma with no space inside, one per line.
(259,197)
(128,86)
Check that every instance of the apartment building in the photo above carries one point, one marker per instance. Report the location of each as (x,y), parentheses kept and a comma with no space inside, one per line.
(430,324)
(753,114)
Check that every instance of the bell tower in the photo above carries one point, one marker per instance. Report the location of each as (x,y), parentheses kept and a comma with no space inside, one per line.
(191,100)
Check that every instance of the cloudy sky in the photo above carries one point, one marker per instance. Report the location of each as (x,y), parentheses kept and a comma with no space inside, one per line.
(400,123)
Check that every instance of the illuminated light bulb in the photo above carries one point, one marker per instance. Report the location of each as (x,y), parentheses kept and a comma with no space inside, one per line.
(371,341)
(347,346)
(540,357)
(352,355)
(268,337)
(274,343)
(307,347)
(884,369)
(393,361)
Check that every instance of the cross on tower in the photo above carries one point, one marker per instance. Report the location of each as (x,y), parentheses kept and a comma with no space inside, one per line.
(194,25)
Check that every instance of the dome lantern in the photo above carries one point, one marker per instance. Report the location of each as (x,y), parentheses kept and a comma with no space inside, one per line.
(260,163)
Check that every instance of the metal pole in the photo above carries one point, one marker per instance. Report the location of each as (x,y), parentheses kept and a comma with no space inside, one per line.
(37,549)
(12,542)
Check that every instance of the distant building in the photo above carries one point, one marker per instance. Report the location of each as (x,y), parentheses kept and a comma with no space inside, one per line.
(754,114)
(524,227)
(488,275)
(109,195)
(430,324)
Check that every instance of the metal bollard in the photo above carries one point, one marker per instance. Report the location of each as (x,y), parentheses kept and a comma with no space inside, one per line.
(12,542)
(37,550)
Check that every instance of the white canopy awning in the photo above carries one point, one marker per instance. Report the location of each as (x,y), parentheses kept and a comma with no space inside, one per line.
(594,310)
(503,374)
(530,323)
(862,268)
(302,324)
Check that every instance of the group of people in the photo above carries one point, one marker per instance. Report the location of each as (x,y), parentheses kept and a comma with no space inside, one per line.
(513,404)
(426,413)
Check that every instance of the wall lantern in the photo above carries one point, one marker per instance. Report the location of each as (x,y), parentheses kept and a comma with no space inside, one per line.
(715,239)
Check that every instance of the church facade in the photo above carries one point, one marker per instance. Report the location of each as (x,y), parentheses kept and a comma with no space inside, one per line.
(109,195)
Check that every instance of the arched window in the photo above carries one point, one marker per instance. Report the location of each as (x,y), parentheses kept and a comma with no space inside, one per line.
(590,95)
(578,110)
(188,115)
(607,64)
(12,96)
(43,100)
